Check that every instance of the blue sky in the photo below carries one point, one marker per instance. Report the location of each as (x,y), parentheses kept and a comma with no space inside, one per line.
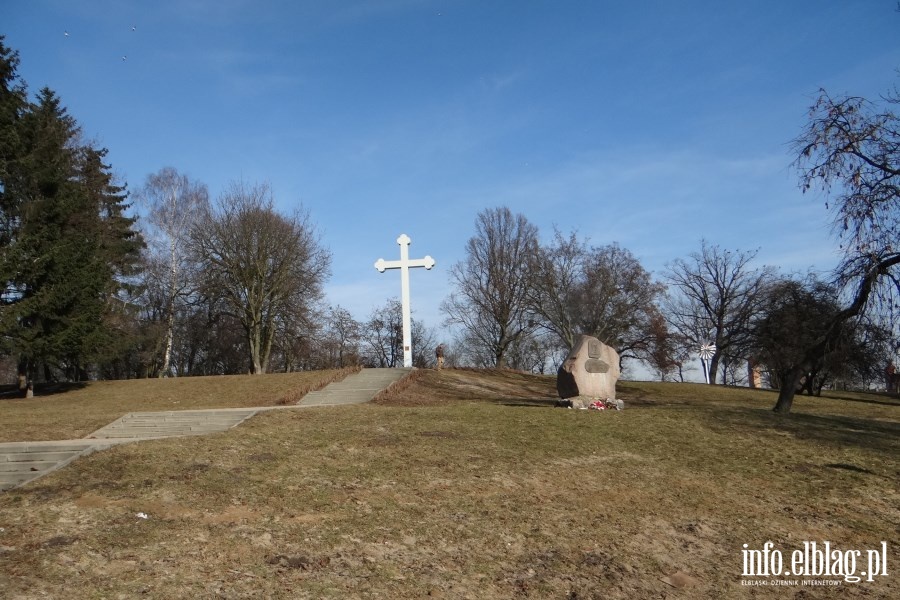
(652,124)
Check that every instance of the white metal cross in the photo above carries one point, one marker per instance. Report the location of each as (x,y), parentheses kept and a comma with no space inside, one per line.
(404,264)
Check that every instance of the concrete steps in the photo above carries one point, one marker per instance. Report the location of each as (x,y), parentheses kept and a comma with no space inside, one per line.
(21,462)
(144,425)
(355,389)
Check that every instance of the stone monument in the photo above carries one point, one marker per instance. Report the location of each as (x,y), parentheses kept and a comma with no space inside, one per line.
(589,373)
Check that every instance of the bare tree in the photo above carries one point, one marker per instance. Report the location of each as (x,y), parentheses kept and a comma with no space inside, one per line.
(342,337)
(536,352)
(262,264)
(207,342)
(424,344)
(174,203)
(600,291)
(717,295)
(493,283)
(559,271)
(298,332)
(619,300)
(851,147)
(382,337)
(666,353)
(469,351)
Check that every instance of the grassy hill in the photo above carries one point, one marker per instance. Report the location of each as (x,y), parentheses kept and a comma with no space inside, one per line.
(71,411)
(467,484)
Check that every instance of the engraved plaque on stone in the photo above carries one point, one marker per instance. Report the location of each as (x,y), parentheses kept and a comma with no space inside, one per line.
(595,349)
(595,365)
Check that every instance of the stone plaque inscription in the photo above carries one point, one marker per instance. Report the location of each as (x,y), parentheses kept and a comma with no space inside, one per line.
(595,349)
(595,365)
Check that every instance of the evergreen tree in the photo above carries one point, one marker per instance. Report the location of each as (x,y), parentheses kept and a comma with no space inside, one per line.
(42,296)
(106,257)
(12,106)
(68,245)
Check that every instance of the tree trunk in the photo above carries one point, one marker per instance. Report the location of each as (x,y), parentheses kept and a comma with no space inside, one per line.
(724,364)
(257,366)
(267,339)
(788,390)
(170,320)
(24,376)
(170,342)
(713,368)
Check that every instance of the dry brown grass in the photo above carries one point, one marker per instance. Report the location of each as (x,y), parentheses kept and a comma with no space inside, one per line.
(427,387)
(75,411)
(468,484)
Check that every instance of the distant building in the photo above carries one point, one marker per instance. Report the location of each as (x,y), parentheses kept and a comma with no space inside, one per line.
(754,374)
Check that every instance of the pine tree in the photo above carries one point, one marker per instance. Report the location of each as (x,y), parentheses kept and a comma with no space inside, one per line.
(12,107)
(110,260)
(41,295)
(68,245)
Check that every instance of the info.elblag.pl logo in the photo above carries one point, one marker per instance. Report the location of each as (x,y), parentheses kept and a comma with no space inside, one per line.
(814,560)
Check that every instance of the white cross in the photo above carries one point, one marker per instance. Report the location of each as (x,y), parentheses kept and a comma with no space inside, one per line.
(404,265)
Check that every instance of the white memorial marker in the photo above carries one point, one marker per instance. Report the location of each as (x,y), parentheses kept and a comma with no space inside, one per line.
(404,265)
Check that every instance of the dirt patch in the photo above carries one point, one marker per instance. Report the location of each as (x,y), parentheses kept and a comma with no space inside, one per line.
(231,516)
(95,501)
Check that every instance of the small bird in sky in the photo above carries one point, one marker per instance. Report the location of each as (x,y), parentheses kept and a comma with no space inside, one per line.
(124,58)
(133,28)
(66,33)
